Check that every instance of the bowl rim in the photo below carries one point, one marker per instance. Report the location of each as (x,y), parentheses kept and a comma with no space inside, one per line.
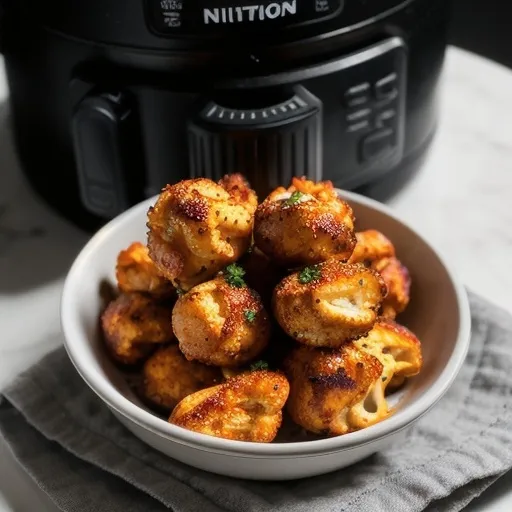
(148,421)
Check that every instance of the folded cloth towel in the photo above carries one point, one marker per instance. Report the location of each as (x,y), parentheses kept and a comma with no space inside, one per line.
(85,460)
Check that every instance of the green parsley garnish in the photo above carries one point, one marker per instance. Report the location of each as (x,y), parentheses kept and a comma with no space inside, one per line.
(309,274)
(259,365)
(180,292)
(294,198)
(234,275)
(250,315)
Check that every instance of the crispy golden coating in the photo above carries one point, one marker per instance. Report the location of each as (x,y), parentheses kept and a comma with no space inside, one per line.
(397,348)
(371,245)
(238,188)
(197,227)
(398,282)
(304,224)
(136,272)
(167,378)
(325,384)
(247,407)
(222,325)
(328,304)
(133,324)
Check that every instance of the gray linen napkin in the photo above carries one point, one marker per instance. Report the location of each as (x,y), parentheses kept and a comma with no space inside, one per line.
(85,460)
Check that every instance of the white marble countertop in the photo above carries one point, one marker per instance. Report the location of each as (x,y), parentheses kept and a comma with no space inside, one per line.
(460,201)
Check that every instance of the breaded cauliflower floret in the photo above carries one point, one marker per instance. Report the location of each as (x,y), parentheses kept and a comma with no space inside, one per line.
(239,190)
(397,348)
(136,272)
(304,224)
(328,304)
(371,245)
(221,324)
(198,226)
(376,251)
(167,378)
(325,384)
(398,283)
(247,407)
(133,325)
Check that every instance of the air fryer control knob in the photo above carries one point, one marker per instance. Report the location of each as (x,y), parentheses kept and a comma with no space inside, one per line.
(269,137)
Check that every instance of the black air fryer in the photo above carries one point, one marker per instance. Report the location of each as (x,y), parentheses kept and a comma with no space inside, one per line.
(112,99)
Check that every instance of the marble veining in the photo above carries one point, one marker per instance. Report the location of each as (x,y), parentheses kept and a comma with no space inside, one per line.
(9,235)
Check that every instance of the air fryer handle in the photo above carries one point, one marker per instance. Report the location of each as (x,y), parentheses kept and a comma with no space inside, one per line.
(108,153)
(1,25)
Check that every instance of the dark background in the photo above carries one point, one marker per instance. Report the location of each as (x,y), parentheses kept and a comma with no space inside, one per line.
(484,27)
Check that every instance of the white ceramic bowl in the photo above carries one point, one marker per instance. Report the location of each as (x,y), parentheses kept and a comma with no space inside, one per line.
(438,314)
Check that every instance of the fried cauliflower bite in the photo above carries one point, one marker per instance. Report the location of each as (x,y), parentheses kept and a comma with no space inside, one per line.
(376,251)
(136,272)
(221,324)
(167,378)
(133,325)
(325,384)
(398,282)
(371,245)
(397,348)
(247,407)
(328,304)
(399,351)
(304,224)
(238,188)
(197,227)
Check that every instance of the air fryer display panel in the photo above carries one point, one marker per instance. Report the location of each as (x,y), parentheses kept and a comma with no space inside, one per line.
(182,17)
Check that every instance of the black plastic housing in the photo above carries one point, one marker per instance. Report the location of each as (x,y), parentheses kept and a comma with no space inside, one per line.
(62,53)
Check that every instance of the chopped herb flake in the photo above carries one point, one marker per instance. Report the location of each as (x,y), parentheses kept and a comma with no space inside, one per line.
(250,315)
(259,365)
(234,275)
(309,274)
(294,198)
